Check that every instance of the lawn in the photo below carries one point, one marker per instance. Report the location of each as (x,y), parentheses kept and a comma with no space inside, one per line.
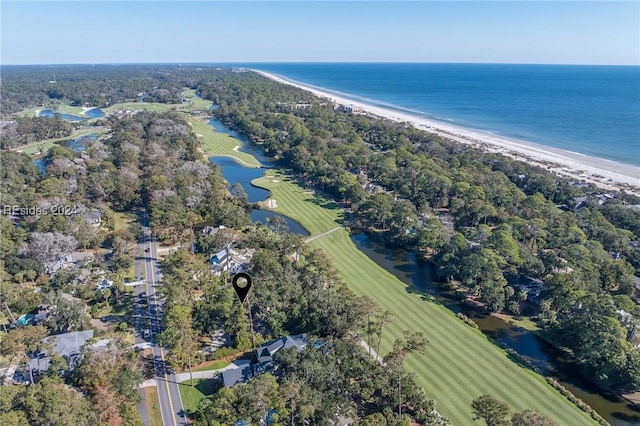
(460,363)
(222,145)
(121,221)
(153,406)
(191,395)
(214,365)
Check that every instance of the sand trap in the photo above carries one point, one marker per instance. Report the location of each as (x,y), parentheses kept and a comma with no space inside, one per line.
(272,203)
(275,180)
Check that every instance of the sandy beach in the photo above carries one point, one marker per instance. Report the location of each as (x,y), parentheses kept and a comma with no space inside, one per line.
(603,173)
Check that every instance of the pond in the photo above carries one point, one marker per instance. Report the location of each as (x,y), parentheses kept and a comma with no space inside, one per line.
(78,144)
(418,272)
(234,172)
(265,216)
(91,113)
(94,113)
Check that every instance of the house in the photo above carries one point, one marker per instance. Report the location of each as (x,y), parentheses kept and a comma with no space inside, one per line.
(579,202)
(124,113)
(92,218)
(351,109)
(264,360)
(105,284)
(210,230)
(80,257)
(231,260)
(43,314)
(67,345)
(265,353)
(77,258)
(532,286)
(242,373)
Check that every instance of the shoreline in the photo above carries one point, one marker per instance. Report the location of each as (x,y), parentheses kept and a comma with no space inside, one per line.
(605,174)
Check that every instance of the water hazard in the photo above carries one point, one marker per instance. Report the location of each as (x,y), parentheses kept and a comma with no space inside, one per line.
(417,272)
(234,172)
(78,144)
(91,113)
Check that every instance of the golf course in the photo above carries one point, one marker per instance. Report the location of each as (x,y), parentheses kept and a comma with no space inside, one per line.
(221,145)
(460,363)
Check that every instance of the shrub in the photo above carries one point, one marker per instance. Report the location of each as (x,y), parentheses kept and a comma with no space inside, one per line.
(467,320)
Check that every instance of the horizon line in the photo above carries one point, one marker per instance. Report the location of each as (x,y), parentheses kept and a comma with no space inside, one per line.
(307,62)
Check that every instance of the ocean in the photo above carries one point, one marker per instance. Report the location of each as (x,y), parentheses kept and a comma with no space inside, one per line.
(591,110)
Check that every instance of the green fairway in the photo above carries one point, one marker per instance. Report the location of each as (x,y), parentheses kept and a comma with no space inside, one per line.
(68,109)
(139,106)
(320,215)
(460,364)
(196,102)
(41,148)
(222,145)
(31,112)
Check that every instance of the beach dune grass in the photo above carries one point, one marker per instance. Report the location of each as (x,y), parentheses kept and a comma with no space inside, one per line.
(460,363)
(222,145)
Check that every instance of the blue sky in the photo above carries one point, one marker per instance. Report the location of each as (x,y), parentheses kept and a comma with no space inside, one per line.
(570,32)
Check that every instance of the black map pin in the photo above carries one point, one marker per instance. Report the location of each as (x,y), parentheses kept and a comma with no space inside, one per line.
(241,284)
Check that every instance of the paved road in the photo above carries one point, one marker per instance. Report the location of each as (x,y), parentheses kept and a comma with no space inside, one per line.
(148,312)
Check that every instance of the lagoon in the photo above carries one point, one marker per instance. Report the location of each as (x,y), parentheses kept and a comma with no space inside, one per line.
(418,273)
(233,173)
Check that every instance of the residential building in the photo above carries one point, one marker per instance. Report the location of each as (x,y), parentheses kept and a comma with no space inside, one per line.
(231,260)
(264,360)
(67,345)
